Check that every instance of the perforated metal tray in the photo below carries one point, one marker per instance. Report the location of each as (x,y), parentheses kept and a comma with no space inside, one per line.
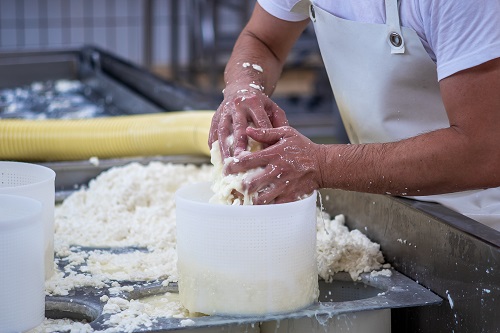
(341,296)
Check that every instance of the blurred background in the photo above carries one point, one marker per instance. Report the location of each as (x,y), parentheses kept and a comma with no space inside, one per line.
(187,42)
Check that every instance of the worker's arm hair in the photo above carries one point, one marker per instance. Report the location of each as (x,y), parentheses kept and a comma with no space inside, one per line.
(464,156)
(265,41)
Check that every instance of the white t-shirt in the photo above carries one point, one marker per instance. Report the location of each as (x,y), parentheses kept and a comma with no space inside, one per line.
(457,34)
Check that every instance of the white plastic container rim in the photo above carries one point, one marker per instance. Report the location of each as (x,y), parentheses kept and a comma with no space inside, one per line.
(245,260)
(36,182)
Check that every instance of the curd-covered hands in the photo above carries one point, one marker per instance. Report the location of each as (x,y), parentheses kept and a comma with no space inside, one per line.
(237,112)
(291,165)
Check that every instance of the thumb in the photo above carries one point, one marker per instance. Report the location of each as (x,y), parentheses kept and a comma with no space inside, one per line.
(268,136)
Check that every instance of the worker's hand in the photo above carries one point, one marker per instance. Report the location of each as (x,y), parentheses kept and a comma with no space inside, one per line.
(291,165)
(237,111)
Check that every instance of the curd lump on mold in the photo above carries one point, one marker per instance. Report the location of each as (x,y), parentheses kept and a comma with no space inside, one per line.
(228,189)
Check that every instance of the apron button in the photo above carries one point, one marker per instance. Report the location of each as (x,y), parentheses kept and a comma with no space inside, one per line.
(395,39)
(313,14)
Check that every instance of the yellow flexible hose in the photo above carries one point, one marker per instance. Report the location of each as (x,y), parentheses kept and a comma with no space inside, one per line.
(172,133)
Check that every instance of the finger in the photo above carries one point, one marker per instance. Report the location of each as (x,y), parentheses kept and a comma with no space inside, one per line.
(266,196)
(289,193)
(213,135)
(277,115)
(258,114)
(224,133)
(275,194)
(285,192)
(268,136)
(240,123)
(284,199)
(269,176)
(248,161)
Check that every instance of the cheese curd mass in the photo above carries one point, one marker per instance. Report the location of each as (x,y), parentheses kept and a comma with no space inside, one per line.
(132,207)
(228,189)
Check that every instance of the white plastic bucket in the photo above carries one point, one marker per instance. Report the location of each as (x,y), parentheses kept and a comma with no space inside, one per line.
(22,292)
(36,182)
(245,260)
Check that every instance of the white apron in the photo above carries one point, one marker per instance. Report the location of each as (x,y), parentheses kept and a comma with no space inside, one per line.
(386,88)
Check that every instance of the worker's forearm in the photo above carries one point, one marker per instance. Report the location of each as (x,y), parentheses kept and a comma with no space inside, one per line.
(437,162)
(464,156)
(260,52)
(251,66)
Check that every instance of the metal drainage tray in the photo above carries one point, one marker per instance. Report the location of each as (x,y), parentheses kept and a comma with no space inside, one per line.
(124,87)
(341,296)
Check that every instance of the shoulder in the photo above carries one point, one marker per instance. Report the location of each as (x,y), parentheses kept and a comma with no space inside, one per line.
(288,10)
(461,33)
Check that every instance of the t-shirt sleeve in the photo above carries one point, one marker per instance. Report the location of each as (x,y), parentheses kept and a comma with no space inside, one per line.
(284,9)
(462,33)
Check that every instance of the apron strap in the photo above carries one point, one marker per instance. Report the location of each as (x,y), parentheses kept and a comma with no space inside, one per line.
(394,34)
